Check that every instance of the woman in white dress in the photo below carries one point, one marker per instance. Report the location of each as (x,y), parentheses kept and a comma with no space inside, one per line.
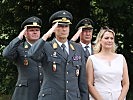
(107,72)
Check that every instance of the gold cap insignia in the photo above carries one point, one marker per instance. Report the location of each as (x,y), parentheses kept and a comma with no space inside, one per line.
(35,23)
(64,19)
(86,25)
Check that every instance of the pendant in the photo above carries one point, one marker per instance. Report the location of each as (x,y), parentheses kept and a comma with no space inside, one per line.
(26,62)
(54,67)
(77,72)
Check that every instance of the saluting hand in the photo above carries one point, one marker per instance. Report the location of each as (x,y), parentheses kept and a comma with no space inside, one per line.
(22,33)
(76,36)
(50,31)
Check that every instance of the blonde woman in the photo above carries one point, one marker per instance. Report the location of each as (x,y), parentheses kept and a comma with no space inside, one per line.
(107,72)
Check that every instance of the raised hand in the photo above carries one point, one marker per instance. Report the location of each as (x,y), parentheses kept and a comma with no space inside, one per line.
(76,36)
(22,33)
(49,33)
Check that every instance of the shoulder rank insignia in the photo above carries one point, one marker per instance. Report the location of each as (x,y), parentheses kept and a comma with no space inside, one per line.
(72,47)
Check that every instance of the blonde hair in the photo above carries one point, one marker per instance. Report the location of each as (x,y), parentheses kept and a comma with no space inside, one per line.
(98,47)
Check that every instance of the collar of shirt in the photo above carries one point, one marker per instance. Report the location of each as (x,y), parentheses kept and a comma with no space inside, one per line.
(83,45)
(66,44)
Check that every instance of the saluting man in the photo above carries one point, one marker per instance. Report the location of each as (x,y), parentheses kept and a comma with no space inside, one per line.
(30,73)
(63,62)
(85,32)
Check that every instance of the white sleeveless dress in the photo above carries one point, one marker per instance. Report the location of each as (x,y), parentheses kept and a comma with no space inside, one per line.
(108,77)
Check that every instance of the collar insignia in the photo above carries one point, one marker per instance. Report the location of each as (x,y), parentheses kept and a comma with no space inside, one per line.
(26,46)
(55,45)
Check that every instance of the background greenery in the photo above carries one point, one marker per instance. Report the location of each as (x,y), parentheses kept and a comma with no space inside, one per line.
(117,14)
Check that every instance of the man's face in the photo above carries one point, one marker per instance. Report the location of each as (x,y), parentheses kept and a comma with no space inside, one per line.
(62,31)
(86,35)
(32,34)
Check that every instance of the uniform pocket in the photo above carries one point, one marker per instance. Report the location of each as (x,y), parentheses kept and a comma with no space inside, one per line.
(21,83)
(77,64)
(52,59)
(45,92)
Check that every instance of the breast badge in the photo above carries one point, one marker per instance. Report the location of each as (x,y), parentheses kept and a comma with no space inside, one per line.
(77,72)
(26,62)
(54,66)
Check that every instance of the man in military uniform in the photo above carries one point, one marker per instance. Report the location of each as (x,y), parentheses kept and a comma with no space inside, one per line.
(63,62)
(85,31)
(30,73)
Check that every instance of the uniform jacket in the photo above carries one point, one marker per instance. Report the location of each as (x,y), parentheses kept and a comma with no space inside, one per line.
(86,57)
(29,72)
(65,78)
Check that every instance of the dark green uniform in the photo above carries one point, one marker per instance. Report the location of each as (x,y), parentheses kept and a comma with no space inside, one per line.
(30,73)
(65,78)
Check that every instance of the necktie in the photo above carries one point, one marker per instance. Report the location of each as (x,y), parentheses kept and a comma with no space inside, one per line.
(87,51)
(64,50)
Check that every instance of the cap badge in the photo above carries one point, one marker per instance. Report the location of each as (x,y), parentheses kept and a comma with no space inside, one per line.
(86,24)
(64,19)
(34,23)
(64,13)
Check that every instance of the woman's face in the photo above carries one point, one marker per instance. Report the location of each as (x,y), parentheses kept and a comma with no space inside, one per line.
(107,41)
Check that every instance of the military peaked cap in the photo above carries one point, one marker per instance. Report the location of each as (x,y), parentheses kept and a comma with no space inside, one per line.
(32,21)
(85,23)
(62,17)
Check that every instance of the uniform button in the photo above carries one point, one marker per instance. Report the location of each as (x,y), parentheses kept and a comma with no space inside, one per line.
(67,81)
(66,90)
(20,85)
(43,95)
(39,66)
(40,73)
(40,81)
(67,63)
(67,72)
